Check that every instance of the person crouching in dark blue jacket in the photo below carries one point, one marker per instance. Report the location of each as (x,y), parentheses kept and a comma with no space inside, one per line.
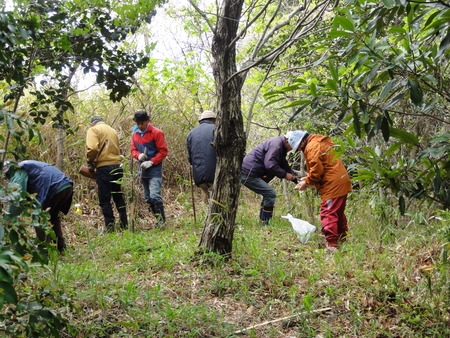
(53,190)
(201,153)
(264,162)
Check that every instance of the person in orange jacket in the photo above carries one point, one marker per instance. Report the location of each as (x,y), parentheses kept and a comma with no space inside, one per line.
(327,174)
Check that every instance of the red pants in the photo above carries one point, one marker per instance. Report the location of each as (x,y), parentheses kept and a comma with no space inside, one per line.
(334,222)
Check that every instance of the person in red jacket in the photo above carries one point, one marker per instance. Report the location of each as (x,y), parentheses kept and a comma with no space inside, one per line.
(148,146)
(327,174)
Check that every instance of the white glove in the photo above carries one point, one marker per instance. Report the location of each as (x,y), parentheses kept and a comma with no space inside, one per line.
(142,157)
(146,164)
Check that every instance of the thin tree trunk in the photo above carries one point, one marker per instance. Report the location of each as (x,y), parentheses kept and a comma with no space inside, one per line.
(230,138)
(61,136)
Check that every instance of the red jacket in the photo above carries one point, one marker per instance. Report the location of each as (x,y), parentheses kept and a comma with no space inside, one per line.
(153,143)
(325,171)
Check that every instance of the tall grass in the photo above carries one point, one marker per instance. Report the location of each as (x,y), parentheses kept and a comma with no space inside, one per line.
(150,283)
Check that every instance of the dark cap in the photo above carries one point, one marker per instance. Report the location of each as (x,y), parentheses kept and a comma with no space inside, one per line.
(96,119)
(140,116)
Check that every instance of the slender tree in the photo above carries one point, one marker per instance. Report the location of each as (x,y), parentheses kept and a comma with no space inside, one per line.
(285,25)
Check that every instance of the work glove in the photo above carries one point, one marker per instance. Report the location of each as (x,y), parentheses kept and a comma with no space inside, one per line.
(142,157)
(91,167)
(146,164)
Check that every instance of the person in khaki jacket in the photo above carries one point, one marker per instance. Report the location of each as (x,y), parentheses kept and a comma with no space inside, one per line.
(328,175)
(102,153)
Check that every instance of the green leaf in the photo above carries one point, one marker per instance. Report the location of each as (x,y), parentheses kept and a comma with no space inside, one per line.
(371,74)
(385,128)
(5,275)
(313,89)
(332,85)
(345,23)
(389,3)
(337,34)
(403,135)
(298,111)
(387,89)
(7,293)
(415,92)
(444,43)
(356,123)
(395,100)
(297,103)
(391,150)
(437,182)
(398,30)
(333,70)
(361,62)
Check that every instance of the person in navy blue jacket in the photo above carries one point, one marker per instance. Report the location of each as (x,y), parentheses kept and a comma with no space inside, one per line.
(264,162)
(52,187)
(201,153)
(148,146)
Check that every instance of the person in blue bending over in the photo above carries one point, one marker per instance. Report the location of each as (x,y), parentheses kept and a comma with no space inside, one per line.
(52,187)
(201,153)
(264,162)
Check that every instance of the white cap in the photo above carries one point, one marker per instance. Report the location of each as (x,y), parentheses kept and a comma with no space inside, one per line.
(207,114)
(295,137)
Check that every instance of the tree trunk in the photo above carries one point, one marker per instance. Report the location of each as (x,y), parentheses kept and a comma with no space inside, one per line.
(230,138)
(60,140)
(61,135)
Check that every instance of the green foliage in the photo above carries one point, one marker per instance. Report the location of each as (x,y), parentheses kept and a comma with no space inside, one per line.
(24,312)
(381,70)
(52,39)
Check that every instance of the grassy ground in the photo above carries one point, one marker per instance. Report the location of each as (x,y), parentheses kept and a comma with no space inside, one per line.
(387,281)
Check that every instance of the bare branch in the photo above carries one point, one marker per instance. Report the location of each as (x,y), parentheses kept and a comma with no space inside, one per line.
(199,11)
(244,30)
(277,27)
(296,34)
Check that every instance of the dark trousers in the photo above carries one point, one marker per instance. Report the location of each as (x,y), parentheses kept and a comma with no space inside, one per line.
(107,178)
(60,202)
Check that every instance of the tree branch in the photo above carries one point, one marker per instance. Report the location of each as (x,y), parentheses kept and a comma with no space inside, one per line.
(295,35)
(199,11)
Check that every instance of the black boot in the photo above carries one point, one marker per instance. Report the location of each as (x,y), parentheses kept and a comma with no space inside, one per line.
(109,225)
(265,214)
(123,220)
(160,215)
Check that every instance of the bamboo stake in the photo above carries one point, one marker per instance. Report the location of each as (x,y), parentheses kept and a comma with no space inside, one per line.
(192,195)
(326,309)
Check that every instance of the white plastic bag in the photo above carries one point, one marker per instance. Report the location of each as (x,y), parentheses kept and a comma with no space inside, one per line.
(301,227)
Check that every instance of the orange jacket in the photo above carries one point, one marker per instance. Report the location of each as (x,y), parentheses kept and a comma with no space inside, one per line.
(325,172)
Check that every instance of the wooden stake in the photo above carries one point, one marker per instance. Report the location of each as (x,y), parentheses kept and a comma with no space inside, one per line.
(192,194)
(281,319)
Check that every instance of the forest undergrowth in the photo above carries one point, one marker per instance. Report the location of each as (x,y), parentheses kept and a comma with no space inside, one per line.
(389,280)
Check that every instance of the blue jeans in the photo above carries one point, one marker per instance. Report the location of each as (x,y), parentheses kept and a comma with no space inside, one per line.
(261,187)
(152,190)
